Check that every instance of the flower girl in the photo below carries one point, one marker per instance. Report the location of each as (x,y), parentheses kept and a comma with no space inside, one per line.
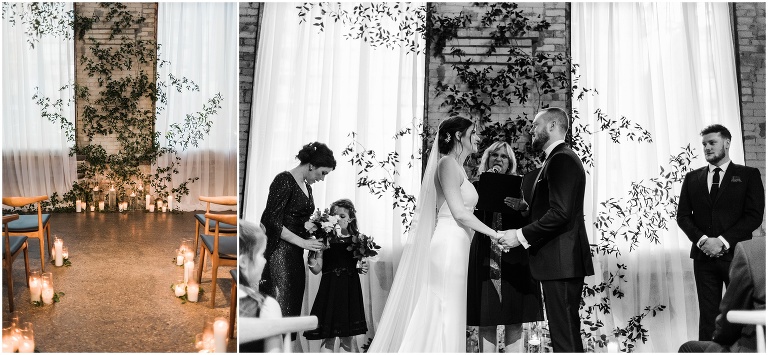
(339,302)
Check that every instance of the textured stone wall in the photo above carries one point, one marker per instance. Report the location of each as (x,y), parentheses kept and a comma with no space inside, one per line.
(750,34)
(250,15)
(101,31)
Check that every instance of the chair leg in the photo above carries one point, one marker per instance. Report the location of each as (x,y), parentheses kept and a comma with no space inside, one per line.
(214,269)
(197,233)
(48,237)
(200,267)
(232,309)
(9,271)
(26,261)
(42,250)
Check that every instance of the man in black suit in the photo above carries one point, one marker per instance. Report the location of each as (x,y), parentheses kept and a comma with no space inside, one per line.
(720,205)
(746,292)
(556,238)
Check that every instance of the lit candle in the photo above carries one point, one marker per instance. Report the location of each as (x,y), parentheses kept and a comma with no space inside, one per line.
(179,289)
(7,344)
(47,293)
(101,205)
(35,287)
(151,208)
(170,202)
(193,290)
(165,208)
(159,204)
(93,208)
(179,257)
(27,346)
(12,340)
(64,253)
(120,207)
(613,347)
(58,244)
(148,204)
(220,327)
(189,267)
(84,206)
(78,207)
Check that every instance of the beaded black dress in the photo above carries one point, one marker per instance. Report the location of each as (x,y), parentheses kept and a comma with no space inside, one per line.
(500,288)
(339,301)
(284,276)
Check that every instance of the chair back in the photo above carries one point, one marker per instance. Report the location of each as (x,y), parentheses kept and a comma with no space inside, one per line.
(217,200)
(7,235)
(754,317)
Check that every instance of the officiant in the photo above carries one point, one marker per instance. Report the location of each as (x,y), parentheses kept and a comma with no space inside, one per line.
(500,289)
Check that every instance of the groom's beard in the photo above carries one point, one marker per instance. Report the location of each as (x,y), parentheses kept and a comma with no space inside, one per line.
(539,140)
(716,157)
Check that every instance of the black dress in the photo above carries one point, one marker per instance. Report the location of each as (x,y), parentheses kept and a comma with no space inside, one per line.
(515,297)
(339,302)
(284,277)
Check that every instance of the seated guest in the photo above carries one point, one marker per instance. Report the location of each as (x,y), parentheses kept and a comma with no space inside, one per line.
(250,263)
(745,292)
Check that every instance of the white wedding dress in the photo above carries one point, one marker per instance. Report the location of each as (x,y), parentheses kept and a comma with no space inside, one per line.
(439,320)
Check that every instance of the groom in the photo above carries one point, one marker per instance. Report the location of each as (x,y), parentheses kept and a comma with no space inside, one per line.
(556,238)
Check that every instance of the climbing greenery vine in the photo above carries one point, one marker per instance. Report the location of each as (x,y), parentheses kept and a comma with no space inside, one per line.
(527,80)
(124,103)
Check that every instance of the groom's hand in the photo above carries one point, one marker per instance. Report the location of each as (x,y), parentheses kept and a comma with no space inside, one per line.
(517,204)
(509,240)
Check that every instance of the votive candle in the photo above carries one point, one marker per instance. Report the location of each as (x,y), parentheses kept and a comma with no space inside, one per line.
(179,289)
(101,205)
(78,207)
(58,244)
(151,208)
(220,327)
(179,258)
(35,286)
(193,290)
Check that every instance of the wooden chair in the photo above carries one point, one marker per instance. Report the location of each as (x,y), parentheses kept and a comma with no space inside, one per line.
(226,229)
(222,249)
(232,303)
(30,225)
(12,246)
(754,317)
(257,328)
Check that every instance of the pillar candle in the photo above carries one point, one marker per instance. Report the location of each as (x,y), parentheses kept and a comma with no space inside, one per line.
(93,208)
(58,244)
(193,290)
(151,208)
(47,294)
(220,327)
(170,202)
(179,258)
(78,207)
(189,267)
(147,203)
(189,255)
(179,289)
(35,288)
(101,205)
(27,346)
(84,206)
(159,205)
(165,208)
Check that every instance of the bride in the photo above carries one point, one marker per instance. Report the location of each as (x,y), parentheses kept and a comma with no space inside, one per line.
(426,310)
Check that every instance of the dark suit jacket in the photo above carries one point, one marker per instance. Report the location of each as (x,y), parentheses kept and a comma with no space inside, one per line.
(745,292)
(557,234)
(736,211)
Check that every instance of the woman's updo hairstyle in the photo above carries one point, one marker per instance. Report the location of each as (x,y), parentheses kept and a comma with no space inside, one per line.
(446,133)
(317,154)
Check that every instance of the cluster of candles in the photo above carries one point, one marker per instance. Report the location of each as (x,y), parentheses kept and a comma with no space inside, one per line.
(213,339)
(190,288)
(60,252)
(41,287)
(110,202)
(17,336)
(185,256)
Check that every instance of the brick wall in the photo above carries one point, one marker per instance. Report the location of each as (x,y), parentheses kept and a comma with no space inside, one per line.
(750,34)
(474,42)
(101,31)
(250,16)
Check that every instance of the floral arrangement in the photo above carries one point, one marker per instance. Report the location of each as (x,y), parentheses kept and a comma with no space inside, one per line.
(363,246)
(323,225)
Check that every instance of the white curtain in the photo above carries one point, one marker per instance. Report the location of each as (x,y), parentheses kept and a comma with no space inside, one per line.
(36,157)
(200,40)
(669,67)
(312,86)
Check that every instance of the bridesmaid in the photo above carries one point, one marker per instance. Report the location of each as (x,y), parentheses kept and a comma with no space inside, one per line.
(289,206)
(500,289)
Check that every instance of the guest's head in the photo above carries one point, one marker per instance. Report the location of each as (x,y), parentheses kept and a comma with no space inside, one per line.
(550,125)
(456,134)
(499,153)
(250,260)
(345,210)
(318,161)
(716,140)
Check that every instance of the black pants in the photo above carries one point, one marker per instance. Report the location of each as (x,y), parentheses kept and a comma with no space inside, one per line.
(710,276)
(562,299)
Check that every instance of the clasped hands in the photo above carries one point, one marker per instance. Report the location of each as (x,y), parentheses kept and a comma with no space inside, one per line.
(713,247)
(506,240)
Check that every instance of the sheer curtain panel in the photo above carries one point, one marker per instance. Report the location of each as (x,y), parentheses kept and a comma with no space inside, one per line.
(36,157)
(669,67)
(321,86)
(200,40)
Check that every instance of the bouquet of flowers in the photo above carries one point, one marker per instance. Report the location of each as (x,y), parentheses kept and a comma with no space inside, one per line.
(363,246)
(323,225)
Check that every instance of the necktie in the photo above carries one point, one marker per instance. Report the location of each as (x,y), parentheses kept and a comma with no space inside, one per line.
(715,184)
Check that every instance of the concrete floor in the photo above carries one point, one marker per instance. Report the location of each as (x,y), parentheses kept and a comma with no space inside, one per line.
(118,296)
